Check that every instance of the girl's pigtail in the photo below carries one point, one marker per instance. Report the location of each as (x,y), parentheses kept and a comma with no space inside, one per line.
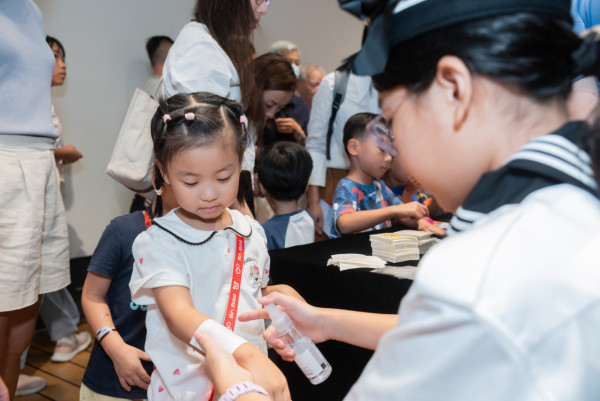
(158,183)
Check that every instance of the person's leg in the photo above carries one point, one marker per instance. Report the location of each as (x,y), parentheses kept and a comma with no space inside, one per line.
(16,332)
(59,314)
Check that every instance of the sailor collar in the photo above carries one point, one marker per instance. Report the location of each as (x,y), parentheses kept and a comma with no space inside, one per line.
(173,225)
(547,160)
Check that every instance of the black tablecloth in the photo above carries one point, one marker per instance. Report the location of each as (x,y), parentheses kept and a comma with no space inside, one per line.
(305,269)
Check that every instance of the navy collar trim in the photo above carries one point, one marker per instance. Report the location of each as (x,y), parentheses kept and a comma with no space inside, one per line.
(212,234)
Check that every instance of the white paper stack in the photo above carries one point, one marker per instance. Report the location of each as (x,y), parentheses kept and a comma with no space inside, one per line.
(394,247)
(424,238)
(354,261)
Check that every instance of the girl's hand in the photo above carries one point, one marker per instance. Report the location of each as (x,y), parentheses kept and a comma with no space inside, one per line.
(220,367)
(263,371)
(128,365)
(308,319)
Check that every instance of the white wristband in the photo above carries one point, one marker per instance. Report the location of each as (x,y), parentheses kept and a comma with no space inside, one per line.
(220,334)
(239,389)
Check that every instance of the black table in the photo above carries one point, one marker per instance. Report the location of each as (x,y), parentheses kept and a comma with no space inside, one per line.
(305,269)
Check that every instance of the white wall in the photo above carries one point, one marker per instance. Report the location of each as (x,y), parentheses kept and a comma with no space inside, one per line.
(106,60)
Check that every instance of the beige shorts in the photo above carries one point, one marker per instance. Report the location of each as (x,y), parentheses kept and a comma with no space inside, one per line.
(34,243)
(87,394)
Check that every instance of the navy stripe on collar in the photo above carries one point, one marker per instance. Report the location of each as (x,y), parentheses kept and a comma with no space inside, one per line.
(154,223)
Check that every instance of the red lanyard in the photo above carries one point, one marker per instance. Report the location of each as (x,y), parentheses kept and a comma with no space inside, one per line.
(234,291)
(236,283)
(147,220)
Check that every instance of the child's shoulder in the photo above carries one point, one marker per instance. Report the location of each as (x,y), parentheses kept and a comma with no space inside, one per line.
(345,183)
(243,224)
(128,223)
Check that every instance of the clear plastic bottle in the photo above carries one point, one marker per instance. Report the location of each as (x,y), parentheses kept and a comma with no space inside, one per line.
(308,357)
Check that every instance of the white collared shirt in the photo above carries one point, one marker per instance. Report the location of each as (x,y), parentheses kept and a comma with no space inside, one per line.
(206,270)
(507,310)
(196,63)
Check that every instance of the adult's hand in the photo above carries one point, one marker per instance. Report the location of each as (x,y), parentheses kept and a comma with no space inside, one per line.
(220,367)
(287,125)
(263,371)
(308,319)
(67,154)
(315,208)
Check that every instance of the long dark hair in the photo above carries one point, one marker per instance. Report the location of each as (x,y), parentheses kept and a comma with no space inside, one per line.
(534,53)
(272,72)
(230,22)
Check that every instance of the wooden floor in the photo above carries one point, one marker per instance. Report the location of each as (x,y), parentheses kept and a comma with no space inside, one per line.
(64,379)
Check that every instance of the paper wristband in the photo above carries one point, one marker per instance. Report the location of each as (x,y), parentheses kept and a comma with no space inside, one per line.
(103,332)
(220,334)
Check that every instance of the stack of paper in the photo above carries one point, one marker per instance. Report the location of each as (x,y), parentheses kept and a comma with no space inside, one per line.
(424,239)
(394,247)
(354,261)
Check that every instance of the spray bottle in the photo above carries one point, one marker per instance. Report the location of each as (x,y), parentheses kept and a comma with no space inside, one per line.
(308,357)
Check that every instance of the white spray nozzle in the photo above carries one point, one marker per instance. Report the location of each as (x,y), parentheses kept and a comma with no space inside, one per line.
(280,319)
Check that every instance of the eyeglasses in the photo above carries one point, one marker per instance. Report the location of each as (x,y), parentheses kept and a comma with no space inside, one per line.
(378,128)
(259,2)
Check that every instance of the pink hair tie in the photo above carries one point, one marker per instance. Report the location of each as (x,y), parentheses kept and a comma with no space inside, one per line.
(243,119)
(166,118)
(189,116)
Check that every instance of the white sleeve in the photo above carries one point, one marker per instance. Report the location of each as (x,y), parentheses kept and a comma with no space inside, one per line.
(203,67)
(156,263)
(440,351)
(316,140)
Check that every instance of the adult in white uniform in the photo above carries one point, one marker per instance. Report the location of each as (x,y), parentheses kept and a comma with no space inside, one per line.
(212,54)
(508,307)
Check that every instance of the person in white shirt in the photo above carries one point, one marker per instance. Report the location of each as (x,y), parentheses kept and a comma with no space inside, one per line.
(507,307)
(157,48)
(212,54)
(360,96)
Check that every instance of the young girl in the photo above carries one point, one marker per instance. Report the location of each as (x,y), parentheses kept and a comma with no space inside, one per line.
(200,265)
(118,366)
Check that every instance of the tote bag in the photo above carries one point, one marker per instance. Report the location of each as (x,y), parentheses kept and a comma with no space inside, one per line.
(132,158)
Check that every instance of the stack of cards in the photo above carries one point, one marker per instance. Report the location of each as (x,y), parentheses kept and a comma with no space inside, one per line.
(424,239)
(394,247)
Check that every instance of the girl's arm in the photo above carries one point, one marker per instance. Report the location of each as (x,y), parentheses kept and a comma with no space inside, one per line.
(177,308)
(126,358)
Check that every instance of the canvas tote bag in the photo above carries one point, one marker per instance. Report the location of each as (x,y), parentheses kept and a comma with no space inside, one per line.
(132,158)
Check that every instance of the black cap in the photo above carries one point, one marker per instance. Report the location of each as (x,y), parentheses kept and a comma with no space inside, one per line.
(392,22)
